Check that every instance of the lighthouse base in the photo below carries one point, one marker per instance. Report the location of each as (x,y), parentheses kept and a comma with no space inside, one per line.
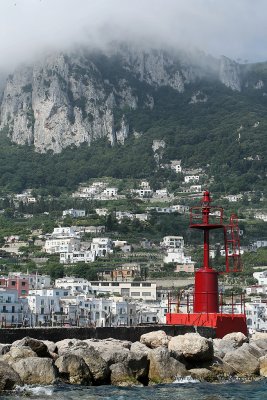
(222,323)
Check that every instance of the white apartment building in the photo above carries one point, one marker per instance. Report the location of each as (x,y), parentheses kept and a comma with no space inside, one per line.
(77,256)
(256,313)
(135,290)
(261,277)
(62,232)
(174,242)
(74,285)
(143,193)
(233,198)
(177,256)
(74,213)
(36,281)
(261,215)
(180,208)
(102,212)
(176,165)
(161,193)
(11,308)
(62,245)
(101,246)
(191,178)
(110,192)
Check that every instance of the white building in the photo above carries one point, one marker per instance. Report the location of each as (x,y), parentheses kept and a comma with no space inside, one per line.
(74,213)
(110,192)
(74,285)
(135,290)
(261,277)
(101,246)
(161,193)
(102,212)
(143,193)
(77,256)
(191,178)
(174,242)
(62,232)
(261,215)
(177,256)
(63,245)
(11,308)
(180,208)
(176,165)
(233,198)
(256,314)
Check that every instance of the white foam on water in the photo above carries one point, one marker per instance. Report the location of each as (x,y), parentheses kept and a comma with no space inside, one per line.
(186,379)
(36,390)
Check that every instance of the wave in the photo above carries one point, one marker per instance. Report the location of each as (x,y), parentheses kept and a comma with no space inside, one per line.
(186,379)
(35,390)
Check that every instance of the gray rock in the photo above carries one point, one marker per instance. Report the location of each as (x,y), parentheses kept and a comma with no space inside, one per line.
(243,361)
(51,346)
(8,377)
(33,370)
(121,376)
(73,368)
(138,365)
(138,347)
(36,345)
(222,346)
(202,374)
(155,339)
(192,347)
(4,348)
(111,351)
(97,365)
(163,368)
(16,353)
(65,345)
(238,337)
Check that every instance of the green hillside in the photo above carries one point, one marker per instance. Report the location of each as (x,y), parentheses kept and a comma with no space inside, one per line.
(226,135)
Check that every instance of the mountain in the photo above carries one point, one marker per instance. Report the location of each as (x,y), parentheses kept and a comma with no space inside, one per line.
(118,101)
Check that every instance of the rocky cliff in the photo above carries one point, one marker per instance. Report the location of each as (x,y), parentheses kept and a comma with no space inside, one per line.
(66,100)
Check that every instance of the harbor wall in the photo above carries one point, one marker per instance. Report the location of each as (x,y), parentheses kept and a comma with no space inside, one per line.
(131,333)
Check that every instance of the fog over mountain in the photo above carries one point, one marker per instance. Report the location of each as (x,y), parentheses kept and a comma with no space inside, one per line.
(236,29)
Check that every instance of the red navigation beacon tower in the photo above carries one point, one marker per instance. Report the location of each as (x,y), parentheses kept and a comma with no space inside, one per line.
(208,307)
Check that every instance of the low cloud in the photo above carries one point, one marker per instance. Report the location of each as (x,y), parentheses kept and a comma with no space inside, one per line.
(236,28)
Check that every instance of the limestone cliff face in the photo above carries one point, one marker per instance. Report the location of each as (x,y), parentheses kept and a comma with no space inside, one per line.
(66,100)
(230,74)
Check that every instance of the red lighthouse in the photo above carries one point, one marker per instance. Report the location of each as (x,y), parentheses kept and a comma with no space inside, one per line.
(208,307)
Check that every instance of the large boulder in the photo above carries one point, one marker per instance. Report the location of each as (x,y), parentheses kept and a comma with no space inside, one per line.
(17,353)
(97,365)
(8,377)
(138,365)
(202,374)
(138,347)
(163,368)
(65,345)
(243,361)
(74,369)
(121,376)
(191,347)
(238,337)
(51,346)
(112,352)
(155,339)
(36,371)
(222,346)
(36,345)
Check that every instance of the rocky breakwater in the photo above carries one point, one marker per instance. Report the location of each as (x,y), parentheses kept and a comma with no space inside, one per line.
(156,358)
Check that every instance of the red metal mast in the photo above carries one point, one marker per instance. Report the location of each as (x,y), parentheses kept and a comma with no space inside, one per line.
(206,297)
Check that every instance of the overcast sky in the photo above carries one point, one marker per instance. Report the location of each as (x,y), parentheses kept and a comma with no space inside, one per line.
(235,28)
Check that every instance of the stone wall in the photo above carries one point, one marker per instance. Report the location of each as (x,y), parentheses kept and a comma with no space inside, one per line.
(132,333)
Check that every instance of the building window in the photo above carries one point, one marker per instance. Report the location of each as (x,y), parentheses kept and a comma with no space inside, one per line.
(136,294)
(13,283)
(23,283)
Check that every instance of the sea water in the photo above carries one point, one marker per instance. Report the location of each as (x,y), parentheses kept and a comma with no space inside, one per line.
(186,389)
